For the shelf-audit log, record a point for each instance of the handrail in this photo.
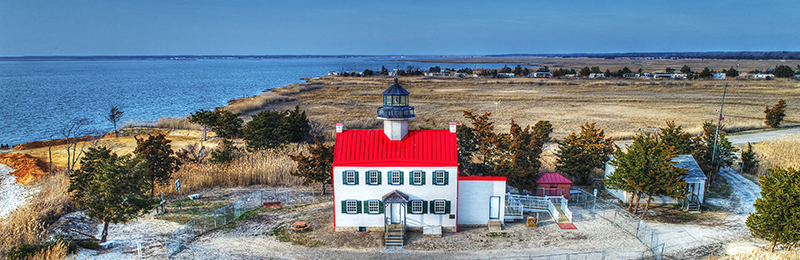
(565, 209)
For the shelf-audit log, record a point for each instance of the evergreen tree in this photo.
(585, 71)
(315, 168)
(111, 187)
(775, 115)
(596, 69)
(227, 124)
(205, 118)
(703, 148)
(732, 72)
(777, 216)
(647, 169)
(266, 130)
(579, 154)
(783, 71)
(520, 163)
(749, 161)
(224, 154)
(160, 161)
(706, 73)
(297, 125)
(686, 69)
(625, 70)
(484, 142)
(675, 136)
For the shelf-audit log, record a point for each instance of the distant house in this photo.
(333, 73)
(459, 74)
(631, 75)
(570, 75)
(678, 76)
(393, 73)
(435, 74)
(542, 75)
(764, 76)
(695, 179)
(718, 75)
(647, 75)
(597, 75)
(662, 75)
(508, 75)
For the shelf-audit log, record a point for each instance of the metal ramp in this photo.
(517, 205)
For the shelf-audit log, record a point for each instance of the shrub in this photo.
(775, 115)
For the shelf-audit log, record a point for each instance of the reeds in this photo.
(246, 105)
(27, 223)
(760, 254)
(783, 152)
(267, 167)
(173, 123)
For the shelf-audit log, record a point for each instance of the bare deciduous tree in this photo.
(113, 116)
(72, 133)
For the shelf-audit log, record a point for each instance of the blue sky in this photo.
(247, 27)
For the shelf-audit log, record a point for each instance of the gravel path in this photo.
(745, 191)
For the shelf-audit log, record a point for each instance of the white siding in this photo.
(363, 191)
(473, 208)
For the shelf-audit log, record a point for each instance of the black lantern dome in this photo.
(395, 104)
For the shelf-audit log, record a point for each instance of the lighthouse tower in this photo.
(395, 112)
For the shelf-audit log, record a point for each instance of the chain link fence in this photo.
(623, 219)
(179, 238)
(192, 252)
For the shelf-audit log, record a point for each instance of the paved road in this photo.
(758, 137)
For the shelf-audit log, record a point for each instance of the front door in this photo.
(494, 207)
(396, 213)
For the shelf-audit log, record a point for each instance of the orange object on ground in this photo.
(567, 226)
(531, 222)
(300, 226)
(272, 204)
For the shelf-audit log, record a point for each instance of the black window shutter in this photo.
(356, 175)
(432, 205)
(344, 206)
(424, 207)
(447, 207)
(446, 179)
(408, 207)
(380, 207)
(401, 178)
(358, 207)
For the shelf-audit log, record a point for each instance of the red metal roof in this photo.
(552, 177)
(372, 148)
(481, 178)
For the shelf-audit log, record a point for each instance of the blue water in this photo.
(38, 99)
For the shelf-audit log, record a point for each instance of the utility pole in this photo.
(716, 135)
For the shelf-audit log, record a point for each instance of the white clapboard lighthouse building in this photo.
(396, 179)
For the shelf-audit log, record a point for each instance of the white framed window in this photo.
(440, 178)
(350, 177)
(396, 177)
(417, 178)
(352, 207)
(416, 207)
(374, 177)
(439, 206)
(374, 207)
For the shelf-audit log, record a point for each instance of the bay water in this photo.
(39, 98)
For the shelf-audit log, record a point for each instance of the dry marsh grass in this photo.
(27, 223)
(621, 107)
(246, 105)
(267, 167)
(783, 152)
(173, 123)
(760, 254)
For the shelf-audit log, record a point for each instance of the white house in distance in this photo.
(396, 179)
(695, 178)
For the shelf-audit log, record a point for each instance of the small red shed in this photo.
(553, 184)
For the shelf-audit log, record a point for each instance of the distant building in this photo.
(764, 76)
(542, 75)
(631, 75)
(570, 75)
(508, 75)
(647, 75)
(393, 73)
(597, 75)
(662, 75)
(718, 75)
(459, 74)
(678, 76)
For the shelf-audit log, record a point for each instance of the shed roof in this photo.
(686, 161)
(418, 148)
(552, 178)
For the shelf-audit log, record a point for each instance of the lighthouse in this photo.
(395, 112)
